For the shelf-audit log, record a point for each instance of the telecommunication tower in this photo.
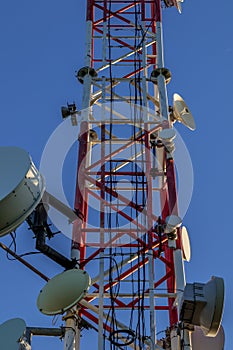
(127, 230)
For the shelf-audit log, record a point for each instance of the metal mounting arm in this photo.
(38, 224)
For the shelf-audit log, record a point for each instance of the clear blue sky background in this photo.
(42, 45)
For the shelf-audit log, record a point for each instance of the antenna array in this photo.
(128, 233)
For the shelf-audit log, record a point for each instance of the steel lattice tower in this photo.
(125, 276)
(126, 170)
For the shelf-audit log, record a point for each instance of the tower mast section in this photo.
(127, 239)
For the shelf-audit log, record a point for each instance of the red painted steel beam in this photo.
(120, 212)
(99, 12)
(159, 307)
(24, 262)
(80, 204)
(124, 275)
(94, 319)
(120, 197)
(156, 284)
(112, 154)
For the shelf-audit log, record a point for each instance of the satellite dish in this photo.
(63, 292)
(201, 342)
(21, 188)
(181, 112)
(11, 332)
(202, 305)
(186, 247)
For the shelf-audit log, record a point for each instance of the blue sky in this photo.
(42, 45)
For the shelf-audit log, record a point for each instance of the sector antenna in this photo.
(124, 279)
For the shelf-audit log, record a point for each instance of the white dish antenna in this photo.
(186, 247)
(202, 305)
(172, 223)
(167, 135)
(211, 315)
(201, 342)
(63, 292)
(181, 112)
(11, 332)
(21, 188)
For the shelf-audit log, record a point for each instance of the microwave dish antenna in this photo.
(11, 333)
(202, 342)
(181, 112)
(21, 188)
(63, 292)
(186, 246)
(202, 305)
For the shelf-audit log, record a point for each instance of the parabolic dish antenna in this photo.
(167, 134)
(186, 247)
(211, 315)
(202, 305)
(21, 188)
(201, 342)
(182, 113)
(63, 292)
(10, 333)
(172, 223)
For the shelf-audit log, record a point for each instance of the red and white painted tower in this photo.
(128, 232)
(125, 280)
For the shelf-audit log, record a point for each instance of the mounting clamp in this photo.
(85, 71)
(163, 71)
